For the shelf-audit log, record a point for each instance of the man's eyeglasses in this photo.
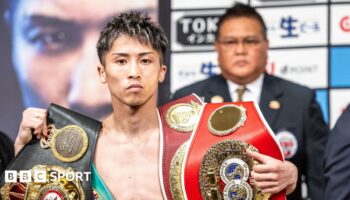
(231, 43)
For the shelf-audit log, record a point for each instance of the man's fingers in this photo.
(265, 184)
(258, 156)
(264, 176)
(45, 129)
(265, 168)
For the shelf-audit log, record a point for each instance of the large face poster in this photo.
(48, 55)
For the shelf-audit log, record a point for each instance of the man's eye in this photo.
(51, 41)
(145, 61)
(251, 41)
(121, 61)
(230, 42)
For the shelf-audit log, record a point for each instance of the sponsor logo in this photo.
(208, 68)
(196, 30)
(272, 68)
(292, 27)
(301, 69)
(345, 24)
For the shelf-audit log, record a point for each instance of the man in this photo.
(53, 54)
(290, 109)
(6, 151)
(337, 163)
(131, 50)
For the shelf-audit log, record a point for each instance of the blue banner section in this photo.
(322, 99)
(340, 67)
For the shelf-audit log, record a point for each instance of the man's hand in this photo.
(272, 175)
(33, 123)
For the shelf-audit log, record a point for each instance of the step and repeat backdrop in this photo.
(47, 50)
(309, 44)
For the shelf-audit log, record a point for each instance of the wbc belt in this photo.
(216, 165)
(178, 119)
(69, 148)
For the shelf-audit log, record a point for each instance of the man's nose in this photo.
(240, 48)
(134, 70)
(87, 94)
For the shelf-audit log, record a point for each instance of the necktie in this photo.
(240, 91)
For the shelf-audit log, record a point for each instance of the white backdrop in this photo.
(308, 44)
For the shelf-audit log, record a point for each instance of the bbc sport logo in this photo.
(42, 176)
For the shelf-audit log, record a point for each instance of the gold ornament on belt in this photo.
(176, 172)
(226, 119)
(183, 116)
(68, 144)
(225, 171)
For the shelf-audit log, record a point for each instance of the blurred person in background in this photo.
(337, 163)
(290, 109)
(54, 50)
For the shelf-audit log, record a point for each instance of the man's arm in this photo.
(337, 163)
(33, 123)
(316, 133)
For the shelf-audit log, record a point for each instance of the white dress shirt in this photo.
(253, 90)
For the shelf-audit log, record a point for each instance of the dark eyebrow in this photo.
(47, 20)
(127, 54)
(145, 53)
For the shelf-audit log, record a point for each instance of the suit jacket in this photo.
(299, 115)
(337, 163)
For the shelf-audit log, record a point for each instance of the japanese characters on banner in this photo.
(309, 45)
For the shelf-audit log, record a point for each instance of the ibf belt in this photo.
(216, 165)
(70, 146)
(178, 119)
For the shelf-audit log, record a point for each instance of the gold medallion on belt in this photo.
(68, 144)
(226, 119)
(225, 171)
(183, 116)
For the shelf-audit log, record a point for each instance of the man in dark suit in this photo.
(290, 109)
(337, 163)
(6, 151)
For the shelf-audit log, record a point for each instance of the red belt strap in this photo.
(172, 138)
(255, 131)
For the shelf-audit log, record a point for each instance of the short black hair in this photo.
(134, 25)
(241, 10)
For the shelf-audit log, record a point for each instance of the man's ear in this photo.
(102, 73)
(162, 72)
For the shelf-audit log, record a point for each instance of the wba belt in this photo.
(215, 164)
(68, 149)
(178, 119)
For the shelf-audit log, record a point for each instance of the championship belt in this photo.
(216, 165)
(178, 120)
(55, 162)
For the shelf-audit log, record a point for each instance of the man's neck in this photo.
(133, 121)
